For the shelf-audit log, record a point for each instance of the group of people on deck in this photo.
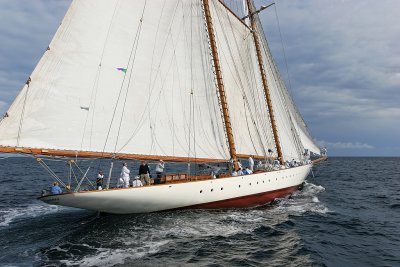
(143, 177)
(244, 171)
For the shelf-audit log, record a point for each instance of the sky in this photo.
(343, 60)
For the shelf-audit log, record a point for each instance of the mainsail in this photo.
(137, 78)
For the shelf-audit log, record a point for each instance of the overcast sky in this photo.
(343, 58)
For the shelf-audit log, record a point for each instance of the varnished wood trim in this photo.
(316, 161)
(220, 82)
(234, 14)
(89, 154)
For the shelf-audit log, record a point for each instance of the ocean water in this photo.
(348, 214)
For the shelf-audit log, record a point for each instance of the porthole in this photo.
(276, 179)
(222, 188)
(269, 180)
(239, 186)
(201, 191)
(249, 183)
(263, 181)
(212, 190)
(257, 182)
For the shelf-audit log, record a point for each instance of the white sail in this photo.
(296, 118)
(290, 141)
(165, 104)
(243, 85)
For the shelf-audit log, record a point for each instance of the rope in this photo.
(142, 116)
(96, 81)
(241, 85)
(120, 91)
(47, 168)
(283, 48)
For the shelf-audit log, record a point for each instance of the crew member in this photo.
(124, 177)
(144, 173)
(55, 190)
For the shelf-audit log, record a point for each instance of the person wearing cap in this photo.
(136, 182)
(159, 171)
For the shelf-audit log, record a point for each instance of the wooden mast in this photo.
(220, 83)
(250, 8)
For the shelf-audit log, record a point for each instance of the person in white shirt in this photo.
(124, 177)
(248, 170)
(240, 172)
(234, 173)
(137, 182)
(251, 164)
(159, 171)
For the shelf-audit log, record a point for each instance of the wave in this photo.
(113, 256)
(11, 215)
(303, 201)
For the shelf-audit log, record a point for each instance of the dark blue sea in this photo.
(348, 214)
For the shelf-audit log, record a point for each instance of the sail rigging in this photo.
(172, 53)
(249, 114)
(293, 128)
(184, 81)
(136, 80)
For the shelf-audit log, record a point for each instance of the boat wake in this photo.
(140, 238)
(101, 256)
(11, 215)
(302, 201)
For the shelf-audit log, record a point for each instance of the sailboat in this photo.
(184, 81)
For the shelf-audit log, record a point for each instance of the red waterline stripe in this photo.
(247, 201)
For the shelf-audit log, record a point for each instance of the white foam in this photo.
(315, 200)
(303, 201)
(8, 215)
(108, 256)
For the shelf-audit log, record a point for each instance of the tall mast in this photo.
(250, 8)
(220, 83)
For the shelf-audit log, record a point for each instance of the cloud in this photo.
(343, 60)
(26, 29)
(344, 145)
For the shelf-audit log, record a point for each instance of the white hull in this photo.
(241, 191)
